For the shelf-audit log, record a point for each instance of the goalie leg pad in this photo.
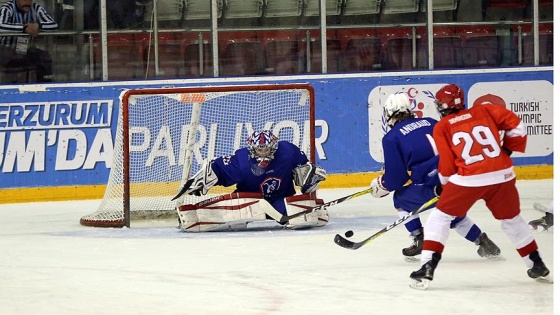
(299, 203)
(223, 213)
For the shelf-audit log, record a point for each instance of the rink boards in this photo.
(56, 139)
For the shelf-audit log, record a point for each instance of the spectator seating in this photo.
(200, 9)
(441, 5)
(446, 52)
(359, 7)
(311, 7)
(243, 8)
(171, 49)
(285, 52)
(17, 72)
(481, 46)
(481, 51)
(400, 6)
(398, 54)
(508, 5)
(282, 57)
(283, 8)
(167, 10)
(362, 54)
(334, 53)
(194, 60)
(242, 58)
(397, 47)
(125, 52)
(546, 48)
(512, 4)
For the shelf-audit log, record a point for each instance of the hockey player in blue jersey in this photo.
(411, 163)
(264, 174)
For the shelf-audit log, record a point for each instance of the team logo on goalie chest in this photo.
(270, 184)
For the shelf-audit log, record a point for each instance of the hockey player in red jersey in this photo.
(474, 165)
(411, 162)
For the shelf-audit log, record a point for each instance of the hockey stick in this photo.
(346, 243)
(183, 189)
(286, 218)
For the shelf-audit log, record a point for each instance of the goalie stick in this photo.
(183, 189)
(286, 218)
(346, 243)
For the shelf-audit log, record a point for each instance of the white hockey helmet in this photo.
(395, 105)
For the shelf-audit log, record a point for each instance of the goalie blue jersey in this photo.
(274, 181)
(410, 154)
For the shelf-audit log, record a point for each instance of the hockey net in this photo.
(164, 135)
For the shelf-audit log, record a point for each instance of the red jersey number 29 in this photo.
(481, 135)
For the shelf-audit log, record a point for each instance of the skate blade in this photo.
(494, 258)
(538, 228)
(411, 259)
(547, 279)
(420, 285)
(539, 207)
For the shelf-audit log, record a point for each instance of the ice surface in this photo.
(52, 265)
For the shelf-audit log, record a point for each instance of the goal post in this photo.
(164, 135)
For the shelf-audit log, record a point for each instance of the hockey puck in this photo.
(349, 233)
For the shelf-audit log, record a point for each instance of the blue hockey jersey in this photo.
(410, 154)
(274, 182)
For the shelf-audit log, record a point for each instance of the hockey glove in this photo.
(379, 191)
(308, 177)
(203, 180)
(507, 151)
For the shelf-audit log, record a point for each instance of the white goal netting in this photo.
(170, 132)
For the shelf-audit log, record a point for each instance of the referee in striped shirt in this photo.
(27, 17)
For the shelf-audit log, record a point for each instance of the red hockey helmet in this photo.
(449, 99)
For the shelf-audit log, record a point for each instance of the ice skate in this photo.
(415, 248)
(539, 270)
(487, 248)
(425, 274)
(544, 223)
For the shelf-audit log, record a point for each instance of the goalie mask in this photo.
(262, 145)
(397, 108)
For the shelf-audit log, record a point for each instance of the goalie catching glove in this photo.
(379, 191)
(308, 177)
(203, 180)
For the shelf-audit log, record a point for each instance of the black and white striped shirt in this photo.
(13, 20)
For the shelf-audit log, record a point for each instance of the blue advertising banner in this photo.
(63, 134)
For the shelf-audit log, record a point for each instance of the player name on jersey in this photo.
(413, 126)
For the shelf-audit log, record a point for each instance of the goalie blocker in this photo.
(233, 212)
